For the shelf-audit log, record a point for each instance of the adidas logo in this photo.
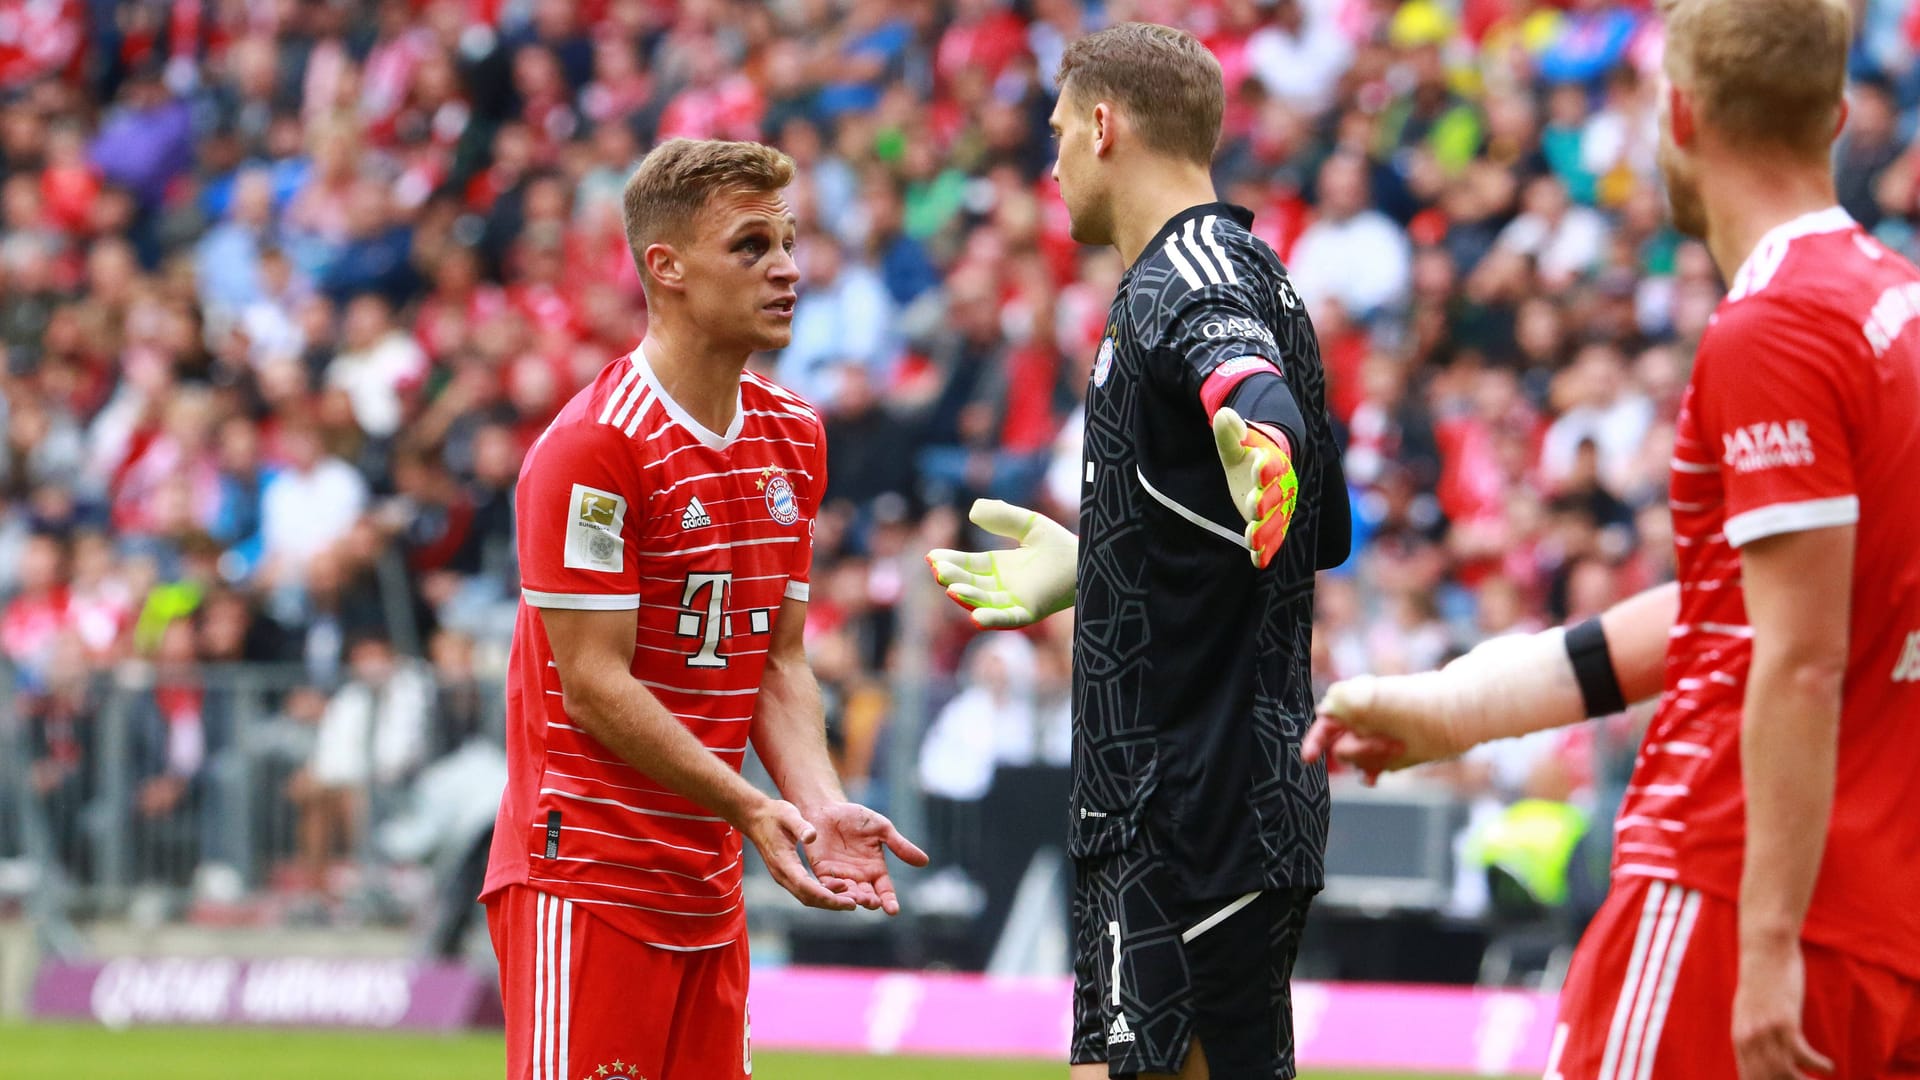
(1119, 1032)
(695, 517)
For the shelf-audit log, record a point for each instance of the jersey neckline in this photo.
(1812, 223)
(1239, 214)
(679, 415)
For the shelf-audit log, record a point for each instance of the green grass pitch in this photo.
(70, 1052)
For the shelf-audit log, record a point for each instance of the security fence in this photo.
(245, 795)
(242, 794)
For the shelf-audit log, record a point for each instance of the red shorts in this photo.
(580, 994)
(1650, 996)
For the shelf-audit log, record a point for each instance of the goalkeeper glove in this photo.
(1016, 586)
(1260, 478)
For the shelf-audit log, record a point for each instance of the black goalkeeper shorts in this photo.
(1150, 973)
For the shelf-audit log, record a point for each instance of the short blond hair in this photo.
(1763, 72)
(675, 180)
(1164, 79)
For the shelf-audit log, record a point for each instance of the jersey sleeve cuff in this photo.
(581, 601)
(798, 590)
(1787, 517)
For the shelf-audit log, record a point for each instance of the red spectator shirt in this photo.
(627, 503)
(1803, 413)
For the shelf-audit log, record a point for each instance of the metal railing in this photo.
(200, 794)
(160, 794)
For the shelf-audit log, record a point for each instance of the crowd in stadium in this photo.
(287, 289)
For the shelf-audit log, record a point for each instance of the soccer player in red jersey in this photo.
(1764, 918)
(665, 532)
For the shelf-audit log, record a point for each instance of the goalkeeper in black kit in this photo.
(1211, 495)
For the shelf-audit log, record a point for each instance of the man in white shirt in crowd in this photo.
(1352, 255)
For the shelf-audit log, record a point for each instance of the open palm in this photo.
(849, 855)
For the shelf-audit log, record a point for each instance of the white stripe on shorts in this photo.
(1640, 1016)
(566, 986)
(1218, 917)
(1649, 978)
(539, 984)
(1663, 995)
(1637, 962)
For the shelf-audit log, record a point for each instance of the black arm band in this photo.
(1266, 397)
(1593, 669)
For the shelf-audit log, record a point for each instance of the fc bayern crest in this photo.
(1103, 363)
(782, 505)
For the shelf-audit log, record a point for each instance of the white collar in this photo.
(680, 415)
(1765, 258)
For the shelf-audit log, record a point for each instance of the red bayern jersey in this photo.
(1803, 412)
(628, 503)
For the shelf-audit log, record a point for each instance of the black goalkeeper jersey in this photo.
(1191, 685)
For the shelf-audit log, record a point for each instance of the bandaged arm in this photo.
(1517, 684)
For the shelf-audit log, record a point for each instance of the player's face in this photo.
(739, 270)
(1077, 170)
(1677, 166)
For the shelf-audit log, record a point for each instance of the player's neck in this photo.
(1745, 201)
(702, 377)
(1158, 192)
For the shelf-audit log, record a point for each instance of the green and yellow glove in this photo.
(1013, 586)
(1261, 479)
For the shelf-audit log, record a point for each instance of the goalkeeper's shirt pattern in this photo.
(1191, 686)
(628, 504)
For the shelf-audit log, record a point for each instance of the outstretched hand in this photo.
(1010, 587)
(1365, 725)
(849, 854)
(777, 830)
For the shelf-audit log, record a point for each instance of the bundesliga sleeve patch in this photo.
(594, 518)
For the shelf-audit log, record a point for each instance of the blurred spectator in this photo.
(37, 615)
(991, 721)
(374, 734)
(169, 758)
(227, 261)
(147, 142)
(1869, 145)
(460, 705)
(846, 318)
(378, 366)
(307, 505)
(1297, 53)
(1598, 406)
(1561, 239)
(59, 722)
(872, 448)
(1351, 255)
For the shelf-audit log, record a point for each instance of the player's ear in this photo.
(1840, 122)
(663, 264)
(1105, 133)
(1680, 115)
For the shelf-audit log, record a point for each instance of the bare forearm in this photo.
(631, 722)
(1789, 746)
(1797, 588)
(1637, 630)
(789, 734)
